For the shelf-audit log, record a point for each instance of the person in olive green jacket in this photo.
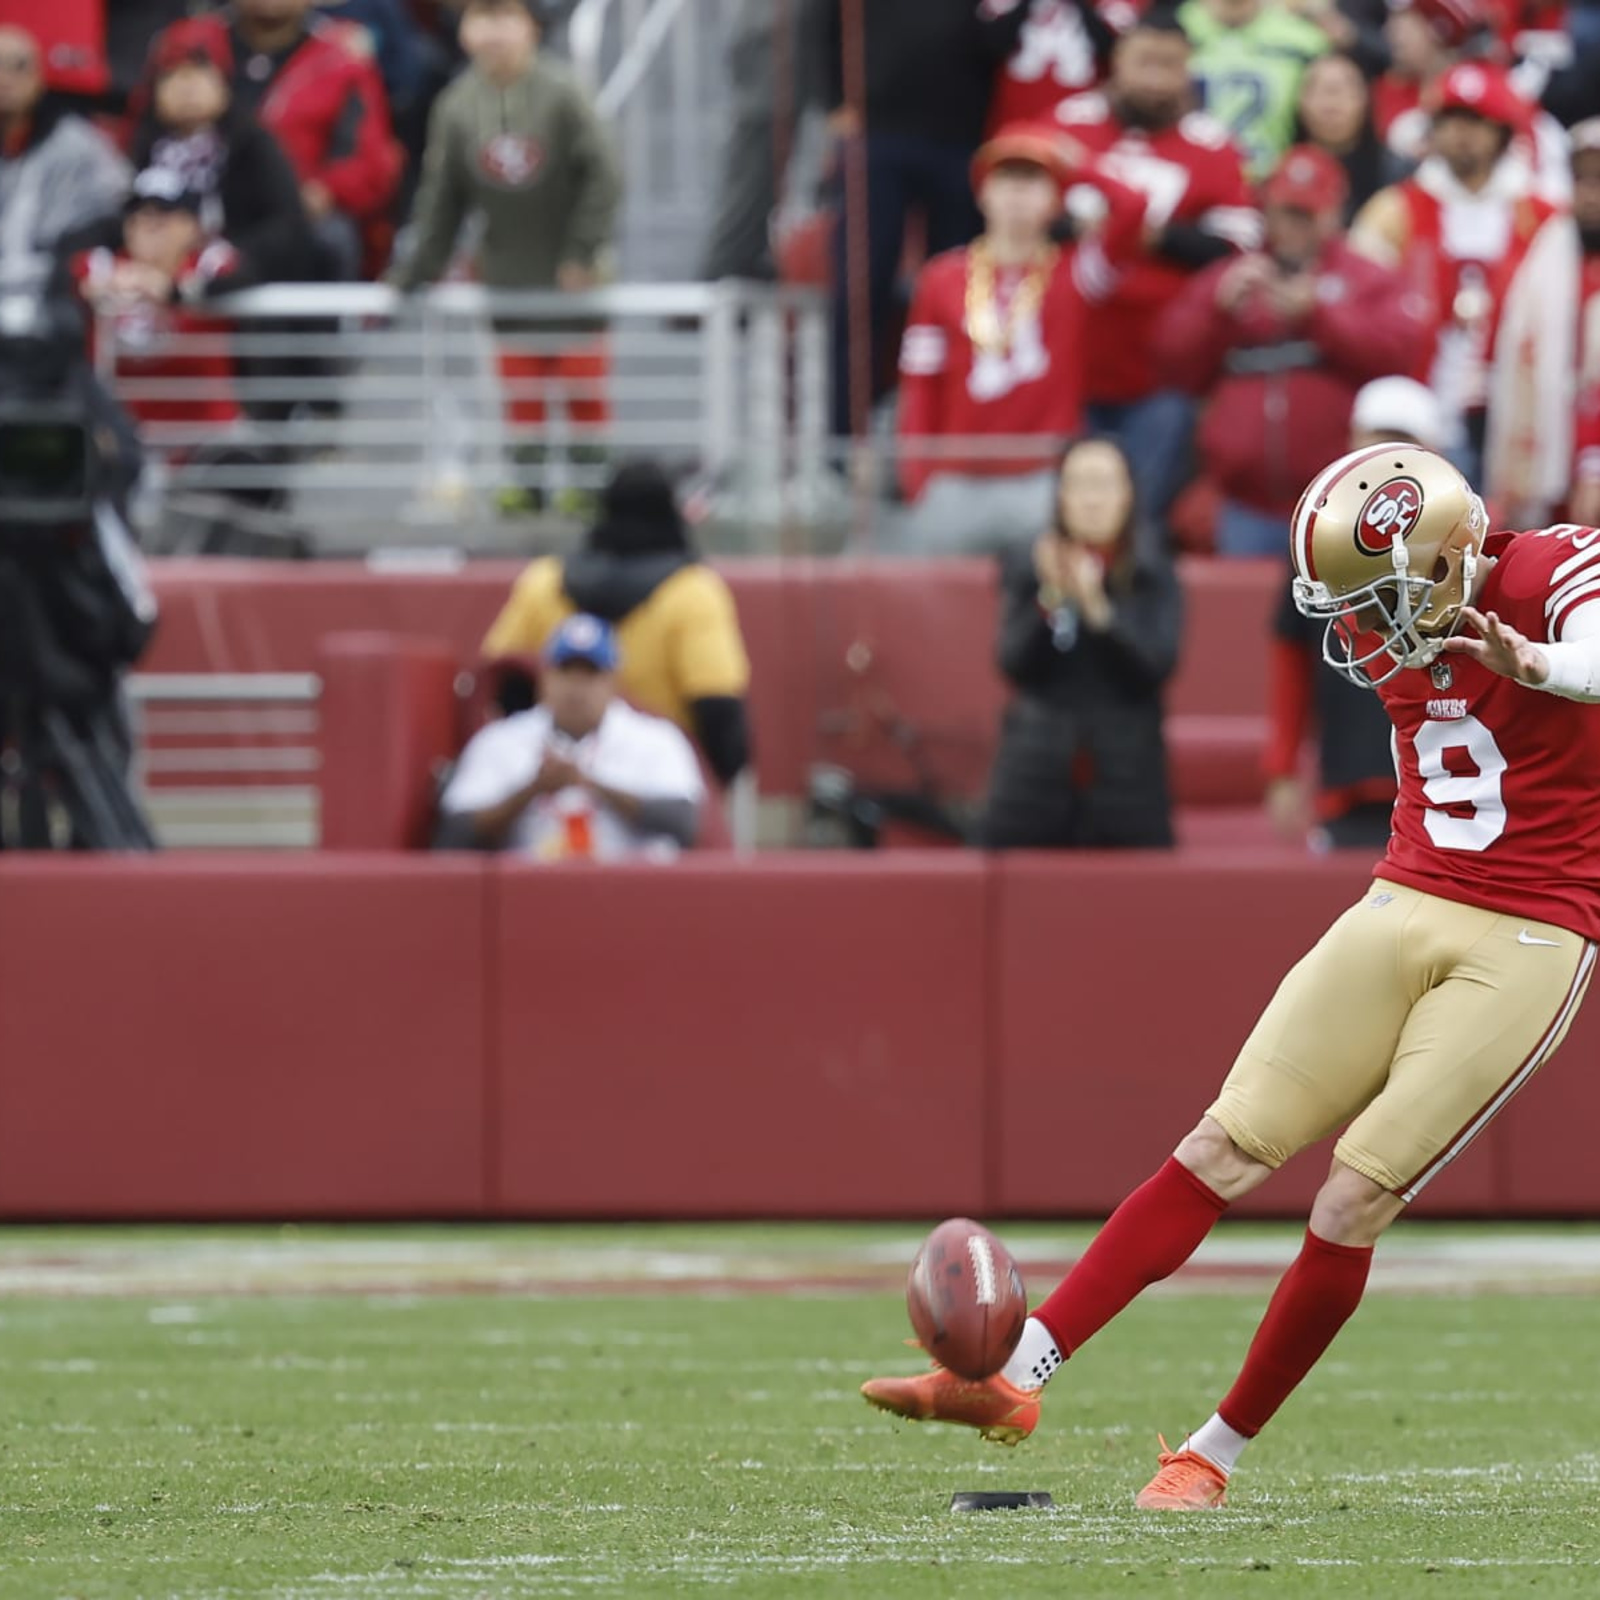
(515, 141)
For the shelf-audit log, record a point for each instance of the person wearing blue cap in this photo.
(580, 776)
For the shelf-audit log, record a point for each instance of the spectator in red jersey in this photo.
(1280, 340)
(991, 366)
(146, 291)
(1355, 766)
(1583, 505)
(1059, 48)
(1335, 114)
(1461, 229)
(1089, 635)
(1198, 209)
(1426, 38)
(312, 84)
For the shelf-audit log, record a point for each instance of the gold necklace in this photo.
(985, 327)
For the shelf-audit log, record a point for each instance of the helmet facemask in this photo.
(1411, 615)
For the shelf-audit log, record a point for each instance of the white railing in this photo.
(372, 419)
(228, 760)
(658, 71)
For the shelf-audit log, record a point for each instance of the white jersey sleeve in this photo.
(1575, 657)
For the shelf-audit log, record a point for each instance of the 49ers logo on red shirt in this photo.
(1392, 508)
(511, 160)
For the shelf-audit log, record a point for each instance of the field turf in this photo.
(537, 1411)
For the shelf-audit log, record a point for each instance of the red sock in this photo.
(1313, 1301)
(1147, 1238)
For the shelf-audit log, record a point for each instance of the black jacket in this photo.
(1082, 758)
(929, 65)
(257, 195)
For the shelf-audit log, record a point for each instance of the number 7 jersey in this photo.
(1499, 800)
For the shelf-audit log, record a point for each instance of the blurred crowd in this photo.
(1324, 194)
(164, 159)
(1116, 279)
(1197, 230)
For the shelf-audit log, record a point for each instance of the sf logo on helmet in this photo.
(1391, 509)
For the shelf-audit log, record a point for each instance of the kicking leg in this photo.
(1311, 1063)
(1147, 1238)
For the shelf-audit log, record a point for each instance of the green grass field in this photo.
(337, 1413)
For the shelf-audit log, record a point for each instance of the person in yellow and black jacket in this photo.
(683, 656)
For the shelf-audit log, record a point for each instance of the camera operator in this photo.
(75, 610)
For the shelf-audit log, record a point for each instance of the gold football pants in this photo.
(1410, 1024)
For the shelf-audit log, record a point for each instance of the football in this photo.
(966, 1299)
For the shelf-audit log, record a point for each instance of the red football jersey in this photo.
(1500, 784)
(1031, 389)
(1188, 173)
(155, 349)
(1055, 57)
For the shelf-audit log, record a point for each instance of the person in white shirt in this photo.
(580, 776)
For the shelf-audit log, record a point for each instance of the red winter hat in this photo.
(1038, 143)
(193, 39)
(1452, 22)
(1482, 91)
(1309, 179)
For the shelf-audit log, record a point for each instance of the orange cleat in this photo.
(997, 1409)
(1186, 1482)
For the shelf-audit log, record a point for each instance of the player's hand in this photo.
(574, 277)
(1500, 648)
(1287, 809)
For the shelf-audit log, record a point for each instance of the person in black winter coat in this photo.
(192, 127)
(1089, 635)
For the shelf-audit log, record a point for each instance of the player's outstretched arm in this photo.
(1570, 668)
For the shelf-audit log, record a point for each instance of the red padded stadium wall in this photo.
(193, 1037)
(802, 1036)
(913, 1036)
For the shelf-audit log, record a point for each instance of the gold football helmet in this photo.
(1385, 542)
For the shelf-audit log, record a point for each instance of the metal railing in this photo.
(362, 418)
(228, 760)
(657, 70)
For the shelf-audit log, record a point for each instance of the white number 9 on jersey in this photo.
(1479, 790)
